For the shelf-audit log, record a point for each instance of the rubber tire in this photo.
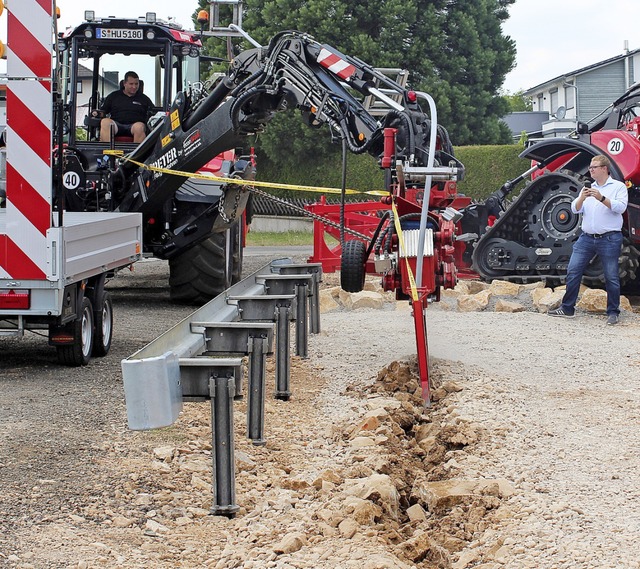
(353, 265)
(204, 271)
(79, 353)
(103, 325)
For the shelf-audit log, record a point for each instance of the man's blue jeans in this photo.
(608, 250)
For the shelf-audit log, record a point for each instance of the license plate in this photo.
(118, 34)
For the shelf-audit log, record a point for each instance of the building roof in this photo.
(591, 67)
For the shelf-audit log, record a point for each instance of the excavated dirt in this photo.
(527, 456)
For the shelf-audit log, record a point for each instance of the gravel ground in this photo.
(544, 409)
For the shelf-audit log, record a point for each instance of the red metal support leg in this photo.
(420, 322)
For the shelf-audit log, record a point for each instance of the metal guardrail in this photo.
(201, 358)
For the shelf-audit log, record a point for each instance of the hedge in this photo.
(486, 169)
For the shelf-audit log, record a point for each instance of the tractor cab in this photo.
(95, 56)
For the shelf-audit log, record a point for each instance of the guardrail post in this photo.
(255, 403)
(283, 360)
(314, 269)
(221, 390)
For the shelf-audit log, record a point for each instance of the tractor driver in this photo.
(128, 109)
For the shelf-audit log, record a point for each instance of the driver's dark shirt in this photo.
(127, 110)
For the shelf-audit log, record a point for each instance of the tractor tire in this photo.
(353, 265)
(103, 324)
(79, 352)
(206, 269)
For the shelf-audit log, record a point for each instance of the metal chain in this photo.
(230, 218)
(307, 213)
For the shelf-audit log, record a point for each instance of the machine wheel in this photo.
(103, 317)
(206, 269)
(353, 265)
(79, 352)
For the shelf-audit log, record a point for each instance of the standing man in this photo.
(128, 108)
(601, 206)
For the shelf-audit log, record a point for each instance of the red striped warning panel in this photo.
(335, 64)
(23, 245)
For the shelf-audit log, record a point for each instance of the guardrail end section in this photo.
(152, 391)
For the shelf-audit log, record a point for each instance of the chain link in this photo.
(308, 213)
(230, 218)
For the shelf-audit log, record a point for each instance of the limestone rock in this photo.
(348, 527)
(538, 293)
(443, 495)
(416, 513)
(550, 301)
(290, 543)
(508, 306)
(366, 299)
(165, 453)
(328, 303)
(345, 299)
(476, 286)
(504, 288)
(378, 488)
(327, 476)
(475, 302)
(595, 300)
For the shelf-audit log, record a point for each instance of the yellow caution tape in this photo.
(403, 249)
(242, 182)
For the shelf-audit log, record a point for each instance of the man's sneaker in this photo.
(560, 312)
(613, 319)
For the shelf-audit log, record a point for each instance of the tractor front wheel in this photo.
(206, 269)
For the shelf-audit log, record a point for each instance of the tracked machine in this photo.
(533, 234)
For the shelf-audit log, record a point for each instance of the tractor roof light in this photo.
(203, 17)
(89, 15)
(88, 33)
(150, 35)
(150, 17)
(412, 97)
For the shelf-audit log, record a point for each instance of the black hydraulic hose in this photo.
(237, 104)
(207, 106)
(405, 119)
(374, 238)
(343, 189)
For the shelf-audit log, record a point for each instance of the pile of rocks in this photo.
(504, 296)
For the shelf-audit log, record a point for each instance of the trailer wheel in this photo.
(103, 317)
(353, 265)
(206, 269)
(79, 352)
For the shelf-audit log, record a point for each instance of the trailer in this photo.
(53, 263)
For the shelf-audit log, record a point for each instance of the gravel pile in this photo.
(527, 458)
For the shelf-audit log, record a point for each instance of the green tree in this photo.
(518, 102)
(454, 50)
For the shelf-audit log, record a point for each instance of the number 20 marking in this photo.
(615, 146)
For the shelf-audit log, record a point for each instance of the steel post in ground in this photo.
(222, 389)
(302, 332)
(283, 363)
(314, 269)
(237, 396)
(314, 305)
(256, 389)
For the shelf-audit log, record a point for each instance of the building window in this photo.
(569, 96)
(554, 101)
(79, 87)
(540, 102)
